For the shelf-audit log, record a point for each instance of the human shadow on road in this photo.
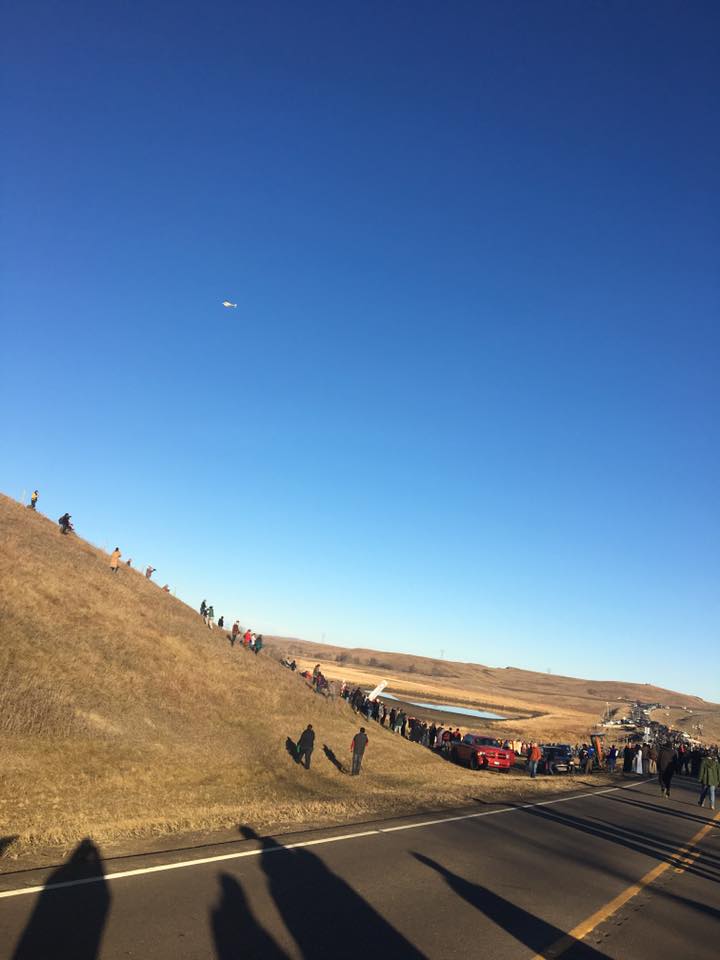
(307, 893)
(640, 841)
(528, 929)
(292, 749)
(658, 808)
(333, 759)
(238, 935)
(69, 922)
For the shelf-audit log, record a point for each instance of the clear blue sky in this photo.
(469, 399)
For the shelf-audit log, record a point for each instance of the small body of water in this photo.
(445, 708)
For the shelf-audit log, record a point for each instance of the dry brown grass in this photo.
(122, 716)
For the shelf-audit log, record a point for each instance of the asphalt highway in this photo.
(622, 874)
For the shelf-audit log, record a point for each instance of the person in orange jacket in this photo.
(115, 560)
(534, 755)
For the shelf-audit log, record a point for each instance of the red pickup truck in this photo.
(482, 753)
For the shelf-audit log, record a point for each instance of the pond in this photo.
(445, 708)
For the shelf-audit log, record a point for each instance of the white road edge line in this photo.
(160, 868)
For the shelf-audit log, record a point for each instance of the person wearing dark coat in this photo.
(357, 746)
(305, 746)
(627, 759)
(666, 763)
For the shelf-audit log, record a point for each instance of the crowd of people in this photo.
(244, 638)
(670, 755)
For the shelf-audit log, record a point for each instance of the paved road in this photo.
(504, 883)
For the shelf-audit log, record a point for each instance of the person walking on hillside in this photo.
(203, 609)
(534, 755)
(64, 523)
(33, 500)
(149, 571)
(709, 778)
(221, 622)
(234, 633)
(359, 742)
(305, 746)
(667, 761)
(210, 613)
(115, 560)
(259, 642)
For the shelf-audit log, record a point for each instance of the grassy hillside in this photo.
(122, 715)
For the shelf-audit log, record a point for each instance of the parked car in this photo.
(482, 753)
(557, 758)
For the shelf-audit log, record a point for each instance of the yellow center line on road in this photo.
(679, 860)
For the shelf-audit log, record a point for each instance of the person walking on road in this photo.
(33, 500)
(709, 777)
(305, 746)
(359, 742)
(533, 760)
(667, 761)
(115, 560)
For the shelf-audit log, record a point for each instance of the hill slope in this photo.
(122, 715)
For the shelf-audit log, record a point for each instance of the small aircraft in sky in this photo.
(226, 303)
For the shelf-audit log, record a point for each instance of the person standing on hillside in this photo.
(115, 560)
(210, 613)
(306, 745)
(359, 742)
(221, 622)
(709, 778)
(259, 642)
(149, 571)
(667, 761)
(234, 633)
(203, 609)
(33, 500)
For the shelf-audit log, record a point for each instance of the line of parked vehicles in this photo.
(480, 752)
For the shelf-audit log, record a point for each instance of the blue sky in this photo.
(469, 398)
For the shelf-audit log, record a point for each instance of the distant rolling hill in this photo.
(545, 705)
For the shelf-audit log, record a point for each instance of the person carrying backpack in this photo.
(65, 524)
